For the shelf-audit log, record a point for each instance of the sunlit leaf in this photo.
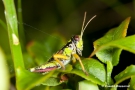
(127, 43)
(110, 53)
(96, 71)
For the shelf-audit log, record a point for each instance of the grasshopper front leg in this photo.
(78, 58)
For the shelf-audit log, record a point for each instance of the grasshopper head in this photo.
(77, 39)
(78, 42)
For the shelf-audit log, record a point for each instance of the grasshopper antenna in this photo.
(84, 27)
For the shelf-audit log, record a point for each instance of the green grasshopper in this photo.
(70, 52)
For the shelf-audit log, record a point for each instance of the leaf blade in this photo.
(92, 66)
(110, 53)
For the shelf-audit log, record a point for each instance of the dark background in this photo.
(43, 18)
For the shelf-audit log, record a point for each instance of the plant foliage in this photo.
(107, 49)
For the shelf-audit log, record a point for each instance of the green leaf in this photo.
(125, 74)
(27, 80)
(40, 87)
(87, 85)
(41, 52)
(54, 45)
(68, 68)
(56, 88)
(43, 87)
(52, 82)
(95, 69)
(131, 85)
(4, 74)
(28, 61)
(127, 43)
(109, 71)
(109, 53)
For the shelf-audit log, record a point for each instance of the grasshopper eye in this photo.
(76, 37)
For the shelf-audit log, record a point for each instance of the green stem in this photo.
(11, 18)
(20, 25)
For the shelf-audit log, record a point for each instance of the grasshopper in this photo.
(70, 52)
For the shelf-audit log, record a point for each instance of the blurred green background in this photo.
(63, 18)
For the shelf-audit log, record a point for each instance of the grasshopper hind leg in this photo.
(51, 65)
(63, 57)
(45, 68)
